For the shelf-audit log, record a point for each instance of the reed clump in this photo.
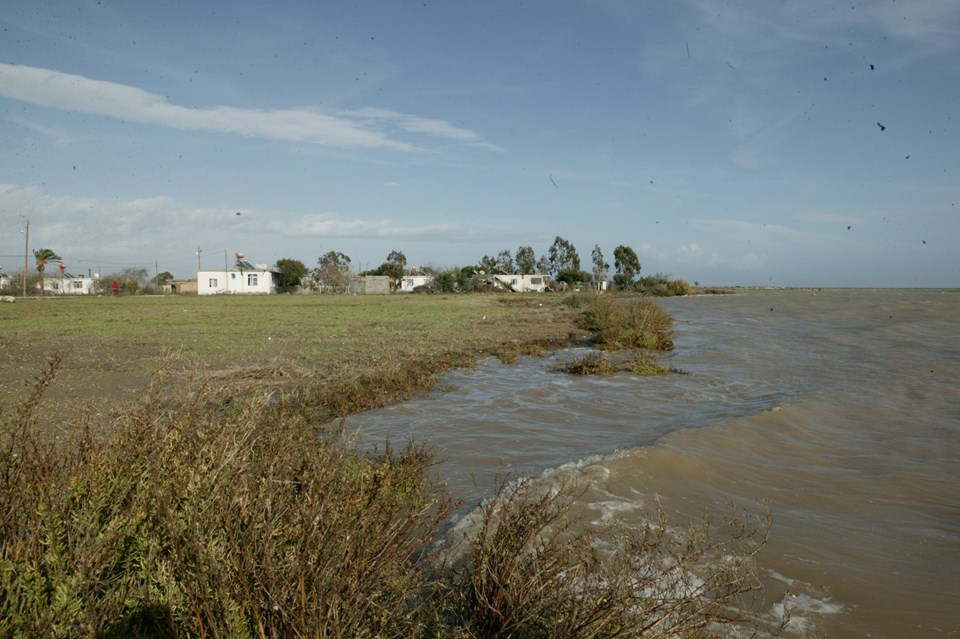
(641, 363)
(529, 570)
(616, 323)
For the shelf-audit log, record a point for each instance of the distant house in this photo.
(523, 283)
(67, 284)
(410, 282)
(243, 279)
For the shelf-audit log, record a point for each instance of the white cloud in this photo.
(107, 234)
(347, 129)
(338, 225)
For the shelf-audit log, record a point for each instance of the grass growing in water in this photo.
(617, 323)
(641, 363)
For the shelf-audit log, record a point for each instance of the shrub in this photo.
(680, 287)
(207, 517)
(580, 299)
(631, 324)
(596, 364)
(592, 364)
(530, 570)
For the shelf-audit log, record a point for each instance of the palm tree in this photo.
(43, 256)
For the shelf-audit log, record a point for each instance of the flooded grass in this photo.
(640, 363)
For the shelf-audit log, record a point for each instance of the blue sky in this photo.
(797, 144)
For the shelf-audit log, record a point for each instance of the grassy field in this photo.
(110, 347)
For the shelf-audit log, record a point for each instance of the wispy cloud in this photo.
(364, 128)
(58, 136)
(339, 225)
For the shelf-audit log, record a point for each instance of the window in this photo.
(212, 283)
(233, 276)
(536, 281)
(77, 284)
(251, 279)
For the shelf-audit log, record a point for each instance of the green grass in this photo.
(109, 347)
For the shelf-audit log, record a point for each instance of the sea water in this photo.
(837, 411)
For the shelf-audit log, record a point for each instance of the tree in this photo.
(134, 278)
(445, 282)
(43, 257)
(573, 276)
(526, 260)
(333, 271)
(600, 268)
(163, 278)
(562, 256)
(395, 267)
(505, 262)
(543, 266)
(628, 266)
(488, 264)
(290, 273)
(398, 259)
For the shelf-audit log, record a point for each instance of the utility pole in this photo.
(26, 251)
(199, 251)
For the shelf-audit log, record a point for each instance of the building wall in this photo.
(234, 281)
(410, 282)
(524, 283)
(181, 287)
(375, 284)
(70, 285)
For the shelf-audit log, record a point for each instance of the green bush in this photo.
(618, 323)
(209, 517)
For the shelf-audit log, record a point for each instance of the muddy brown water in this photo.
(836, 410)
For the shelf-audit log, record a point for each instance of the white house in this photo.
(243, 278)
(410, 282)
(66, 284)
(524, 283)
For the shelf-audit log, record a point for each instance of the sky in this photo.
(731, 143)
